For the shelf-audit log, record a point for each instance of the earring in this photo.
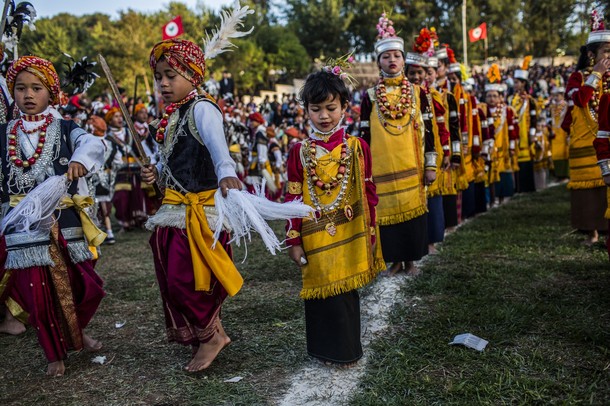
(591, 61)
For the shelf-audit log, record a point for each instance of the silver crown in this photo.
(413, 58)
(389, 44)
(599, 36)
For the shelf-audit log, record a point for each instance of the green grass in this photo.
(521, 279)
(517, 277)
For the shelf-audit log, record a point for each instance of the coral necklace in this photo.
(12, 142)
(312, 162)
(169, 110)
(389, 110)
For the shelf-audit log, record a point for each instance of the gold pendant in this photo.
(349, 212)
(399, 128)
(331, 229)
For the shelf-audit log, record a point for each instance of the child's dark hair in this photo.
(320, 85)
(583, 59)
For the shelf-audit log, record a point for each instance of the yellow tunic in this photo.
(522, 107)
(398, 161)
(340, 256)
(448, 179)
(559, 144)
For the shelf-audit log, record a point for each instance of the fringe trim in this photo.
(401, 217)
(28, 257)
(343, 286)
(434, 193)
(177, 218)
(79, 252)
(462, 183)
(585, 184)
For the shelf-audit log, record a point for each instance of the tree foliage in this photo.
(289, 36)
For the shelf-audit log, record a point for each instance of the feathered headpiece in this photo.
(339, 67)
(523, 73)
(598, 30)
(387, 40)
(80, 75)
(230, 22)
(495, 78)
(17, 16)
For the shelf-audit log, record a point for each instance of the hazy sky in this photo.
(48, 8)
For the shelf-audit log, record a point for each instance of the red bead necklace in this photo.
(171, 108)
(312, 162)
(12, 142)
(389, 110)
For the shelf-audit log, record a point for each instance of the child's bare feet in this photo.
(208, 352)
(412, 270)
(90, 344)
(56, 368)
(395, 268)
(11, 325)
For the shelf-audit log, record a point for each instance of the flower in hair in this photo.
(339, 66)
(385, 27)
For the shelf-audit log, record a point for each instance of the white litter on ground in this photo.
(321, 385)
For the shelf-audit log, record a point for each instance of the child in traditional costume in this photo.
(194, 278)
(331, 171)
(558, 109)
(404, 158)
(48, 280)
(585, 88)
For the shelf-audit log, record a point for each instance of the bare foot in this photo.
(432, 249)
(11, 325)
(395, 268)
(412, 270)
(223, 334)
(90, 344)
(207, 353)
(56, 368)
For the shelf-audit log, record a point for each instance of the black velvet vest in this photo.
(190, 162)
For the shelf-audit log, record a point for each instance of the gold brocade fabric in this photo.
(340, 256)
(559, 144)
(500, 156)
(447, 179)
(522, 108)
(435, 188)
(466, 171)
(398, 164)
(584, 171)
(61, 283)
(205, 258)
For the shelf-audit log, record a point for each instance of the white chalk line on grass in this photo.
(321, 385)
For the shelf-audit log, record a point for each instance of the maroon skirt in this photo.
(190, 316)
(39, 293)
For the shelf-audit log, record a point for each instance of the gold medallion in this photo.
(349, 212)
(331, 229)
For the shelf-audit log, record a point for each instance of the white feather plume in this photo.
(230, 22)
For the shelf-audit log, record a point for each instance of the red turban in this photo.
(257, 117)
(41, 68)
(183, 56)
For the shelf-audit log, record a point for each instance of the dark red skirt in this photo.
(33, 289)
(190, 316)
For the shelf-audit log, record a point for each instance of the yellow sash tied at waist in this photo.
(94, 235)
(205, 259)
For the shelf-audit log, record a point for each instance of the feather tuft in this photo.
(526, 62)
(230, 22)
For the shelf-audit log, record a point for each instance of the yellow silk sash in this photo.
(94, 235)
(205, 259)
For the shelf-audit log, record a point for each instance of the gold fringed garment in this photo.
(398, 163)
(435, 188)
(584, 171)
(345, 260)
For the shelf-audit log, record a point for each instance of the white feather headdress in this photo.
(230, 22)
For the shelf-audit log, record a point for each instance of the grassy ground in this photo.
(516, 277)
(519, 278)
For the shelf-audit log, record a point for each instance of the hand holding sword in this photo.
(144, 161)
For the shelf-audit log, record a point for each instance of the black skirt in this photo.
(468, 202)
(525, 178)
(333, 328)
(480, 198)
(407, 241)
(450, 210)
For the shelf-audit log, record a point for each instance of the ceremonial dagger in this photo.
(145, 160)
